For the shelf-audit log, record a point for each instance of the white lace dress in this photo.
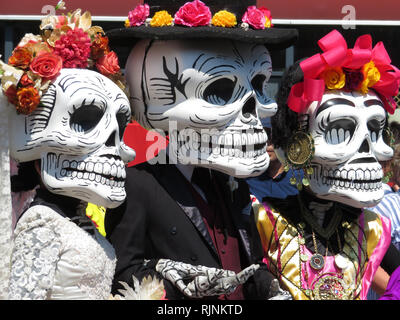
(53, 258)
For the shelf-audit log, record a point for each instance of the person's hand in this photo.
(200, 281)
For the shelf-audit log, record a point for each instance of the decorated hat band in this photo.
(197, 14)
(339, 68)
(65, 41)
(237, 20)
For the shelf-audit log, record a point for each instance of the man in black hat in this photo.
(202, 81)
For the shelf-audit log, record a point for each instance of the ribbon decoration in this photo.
(337, 55)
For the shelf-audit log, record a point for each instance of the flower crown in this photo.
(196, 14)
(358, 69)
(66, 41)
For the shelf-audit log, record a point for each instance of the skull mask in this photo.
(347, 131)
(77, 133)
(208, 95)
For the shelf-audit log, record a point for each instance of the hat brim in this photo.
(273, 38)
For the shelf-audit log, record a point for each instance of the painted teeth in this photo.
(246, 144)
(112, 174)
(359, 179)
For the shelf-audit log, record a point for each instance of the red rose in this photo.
(47, 65)
(11, 94)
(108, 64)
(193, 14)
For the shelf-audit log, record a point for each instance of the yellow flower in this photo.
(224, 18)
(161, 18)
(334, 78)
(127, 23)
(371, 76)
(268, 22)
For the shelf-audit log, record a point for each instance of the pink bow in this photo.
(336, 54)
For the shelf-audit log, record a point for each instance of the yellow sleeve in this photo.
(264, 225)
(97, 214)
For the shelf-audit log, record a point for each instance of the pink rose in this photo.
(254, 17)
(267, 14)
(108, 64)
(193, 14)
(138, 15)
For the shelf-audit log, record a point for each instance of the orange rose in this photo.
(26, 81)
(99, 47)
(20, 58)
(108, 64)
(47, 65)
(28, 99)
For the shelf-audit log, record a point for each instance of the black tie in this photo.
(202, 178)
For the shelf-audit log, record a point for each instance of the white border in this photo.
(275, 21)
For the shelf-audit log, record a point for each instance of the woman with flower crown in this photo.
(67, 113)
(325, 244)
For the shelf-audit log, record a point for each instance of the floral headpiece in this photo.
(66, 41)
(196, 14)
(358, 69)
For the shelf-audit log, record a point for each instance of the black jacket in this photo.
(160, 219)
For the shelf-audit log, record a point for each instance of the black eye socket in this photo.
(258, 83)
(339, 131)
(86, 118)
(220, 91)
(123, 121)
(374, 127)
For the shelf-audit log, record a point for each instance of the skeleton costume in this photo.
(70, 127)
(325, 243)
(186, 219)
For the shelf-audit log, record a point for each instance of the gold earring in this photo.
(299, 152)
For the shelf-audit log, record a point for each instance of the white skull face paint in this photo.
(347, 131)
(208, 95)
(77, 133)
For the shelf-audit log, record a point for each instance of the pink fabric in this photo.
(271, 217)
(329, 267)
(393, 288)
(376, 257)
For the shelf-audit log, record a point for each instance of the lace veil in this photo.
(5, 198)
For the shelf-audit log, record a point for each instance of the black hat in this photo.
(273, 38)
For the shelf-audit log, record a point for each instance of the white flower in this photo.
(29, 37)
(61, 5)
(149, 289)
